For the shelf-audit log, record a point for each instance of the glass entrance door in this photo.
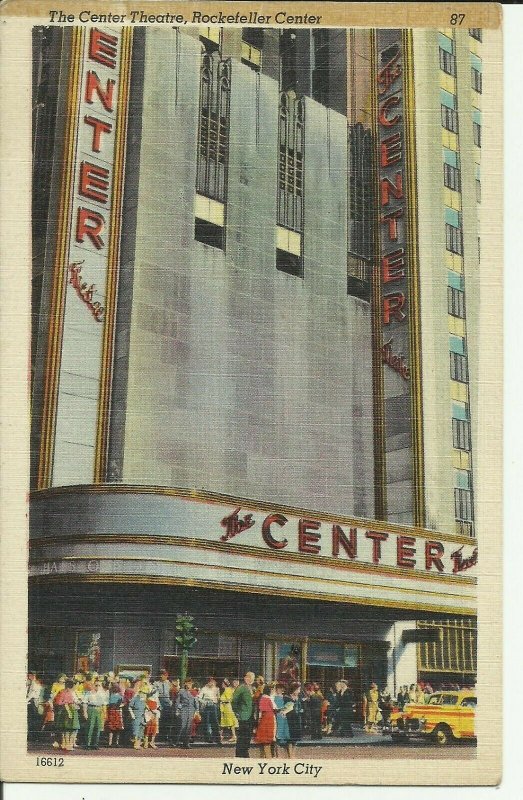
(326, 678)
(329, 662)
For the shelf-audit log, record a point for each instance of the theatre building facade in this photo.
(205, 368)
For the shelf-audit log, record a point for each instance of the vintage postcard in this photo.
(252, 346)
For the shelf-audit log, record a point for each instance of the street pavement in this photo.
(362, 746)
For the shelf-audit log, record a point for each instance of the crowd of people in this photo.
(90, 710)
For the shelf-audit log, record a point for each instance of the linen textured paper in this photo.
(252, 392)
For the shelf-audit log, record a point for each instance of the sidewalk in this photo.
(360, 738)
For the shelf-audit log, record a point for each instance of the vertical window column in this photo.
(213, 148)
(453, 221)
(476, 72)
(361, 212)
(289, 223)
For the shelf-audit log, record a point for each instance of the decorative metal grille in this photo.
(214, 125)
(361, 201)
(290, 163)
(457, 650)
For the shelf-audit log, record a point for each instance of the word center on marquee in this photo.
(312, 537)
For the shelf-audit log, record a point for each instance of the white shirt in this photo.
(33, 691)
(95, 698)
(209, 694)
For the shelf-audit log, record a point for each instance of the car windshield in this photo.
(435, 700)
(443, 700)
(470, 702)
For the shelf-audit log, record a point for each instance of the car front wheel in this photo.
(442, 735)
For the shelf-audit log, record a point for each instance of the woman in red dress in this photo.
(266, 730)
(114, 721)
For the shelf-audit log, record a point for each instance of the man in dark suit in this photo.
(345, 709)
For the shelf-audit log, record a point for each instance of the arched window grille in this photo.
(214, 123)
(290, 163)
(361, 212)
(361, 192)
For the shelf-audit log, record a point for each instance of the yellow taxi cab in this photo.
(445, 716)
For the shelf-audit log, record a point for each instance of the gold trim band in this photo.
(247, 550)
(249, 571)
(113, 261)
(416, 396)
(58, 286)
(380, 464)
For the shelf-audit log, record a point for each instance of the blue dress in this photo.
(283, 734)
(138, 723)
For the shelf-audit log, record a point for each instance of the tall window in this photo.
(458, 367)
(461, 434)
(476, 132)
(451, 177)
(449, 118)
(456, 302)
(454, 238)
(290, 183)
(447, 61)
(213, 147)
(361, 212)
(290, 163)
(476, 81)
(463, 504)
(213, 133)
